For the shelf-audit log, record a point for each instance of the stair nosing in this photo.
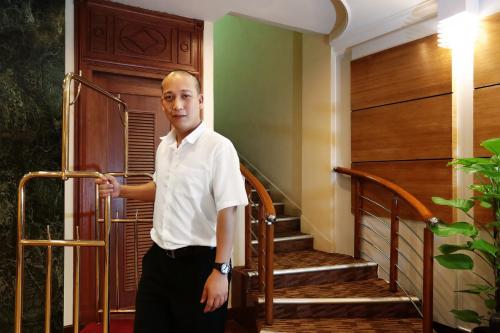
(341, 300)
(274, 204)
(287, 238)
(284, 271)
(281, 219)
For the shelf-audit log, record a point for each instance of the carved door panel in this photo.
(150, 41)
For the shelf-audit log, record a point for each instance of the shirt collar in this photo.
(191, 138)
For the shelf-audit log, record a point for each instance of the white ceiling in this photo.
(301, 15)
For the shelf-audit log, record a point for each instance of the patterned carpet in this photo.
(311, 258)
(345, 325)
(364, 288)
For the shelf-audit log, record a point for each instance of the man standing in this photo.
(197, 187)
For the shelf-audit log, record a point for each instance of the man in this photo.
(196, 188)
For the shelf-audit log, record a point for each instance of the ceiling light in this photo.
(458, 30)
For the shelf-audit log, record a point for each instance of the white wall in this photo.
(343, 219)
(317, 179)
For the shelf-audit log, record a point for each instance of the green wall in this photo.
(31, 73)
(257, 92)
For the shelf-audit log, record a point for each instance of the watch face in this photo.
(224, 268)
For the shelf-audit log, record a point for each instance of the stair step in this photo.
(367, 299)
(279, 207)
(282, 225)
(370, 288)
(311, 267)
(290, 241)
(343, 325)
(255, 196)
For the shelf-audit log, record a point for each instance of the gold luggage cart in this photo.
(102, 242)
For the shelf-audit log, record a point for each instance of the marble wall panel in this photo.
(31, 72)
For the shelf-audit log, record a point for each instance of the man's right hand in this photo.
(108, 185)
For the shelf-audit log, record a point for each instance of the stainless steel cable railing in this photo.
(398, 194)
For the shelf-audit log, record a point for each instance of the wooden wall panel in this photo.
(487, 53)
(486, 117)
(419, 129)
(424, 179)
(413, 70)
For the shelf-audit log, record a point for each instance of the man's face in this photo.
(181, 102)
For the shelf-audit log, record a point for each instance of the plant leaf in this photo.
(485, 204)
(478, 289)
(470, 161)
(468, 316)
(490, 303)
(495, 224)
(489, 173)
(492, 145)
(455, 261)
(483, 188)
(450, 248)
(484, 246)
(458, 228)
(462, 204)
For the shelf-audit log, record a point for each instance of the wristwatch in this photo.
(224, 267)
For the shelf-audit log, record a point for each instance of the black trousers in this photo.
(168, 299)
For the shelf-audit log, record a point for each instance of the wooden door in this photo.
(128, 51)
(147, 123)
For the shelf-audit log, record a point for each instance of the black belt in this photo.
(187, 251)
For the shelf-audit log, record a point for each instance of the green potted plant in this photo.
(458, 256)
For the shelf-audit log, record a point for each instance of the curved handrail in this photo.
(261, 191)
(428, 247)
(266, 219)
(421, 209)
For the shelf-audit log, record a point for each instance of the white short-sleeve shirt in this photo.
(193, 182)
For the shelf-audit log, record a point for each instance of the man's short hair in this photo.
(183, 72)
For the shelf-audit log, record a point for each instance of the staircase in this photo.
(317, 291)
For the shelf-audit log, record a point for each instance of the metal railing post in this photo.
(427, 293)
(394, 244)
(358, 206)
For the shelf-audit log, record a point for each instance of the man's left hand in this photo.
(215, 291)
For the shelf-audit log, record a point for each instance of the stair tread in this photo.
(289, 233)
(344, 325)
(311, 258)
(275, 203)
(350, 289)
(282, 217)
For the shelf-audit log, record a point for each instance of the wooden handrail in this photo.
(398, 192)
(261, 190)
(420, 208)
(266, 217)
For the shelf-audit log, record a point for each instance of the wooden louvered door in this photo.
(146, 124)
